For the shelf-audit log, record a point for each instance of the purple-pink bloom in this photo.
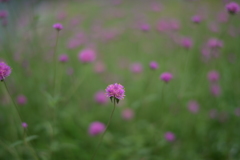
(169, 136)
(100, 97)
(21, 99)
(193, 106)
(196, 19)
(153, 65)
(5, 71)
(136, 68)
(166, 76)
(233, 7)
(63, 58)
(96, 128)
(127, 114)
(24, 125)
(215, 43)
(87, 55)
(115, 90)
(145, 27)
(215, 90)
(187, 43)
(3, 14)
(213, 76)
(58, 26)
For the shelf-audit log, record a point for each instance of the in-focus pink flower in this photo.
(213, 76)
(96, 128)
(136, 68)
(233, 7)
(87, 55)
(63, 58)
(115, 91)
(169, 136)
(21, 100)
(58, 26)
(153, 65)
(100, 97)
(166, 76)
(127, 114)
(5, 71)
(193, 106)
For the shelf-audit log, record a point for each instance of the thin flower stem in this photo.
(95, 152)
(55, 64)
(24, 132)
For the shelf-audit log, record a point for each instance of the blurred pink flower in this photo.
(197, 19)
(233, 7)
(166, 76)
(213, 76)
(169, 136)
(153, 65)
(63, 58)
(21, 100)
(87, 55)
(193, 106)
(24, 125)
(186, 42)
(127, 114)
(215, 90)
(96, 128)
(100, 97)
(136, 68)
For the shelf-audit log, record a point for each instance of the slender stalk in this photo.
(95, 152)
(25, 133)
(55, 63)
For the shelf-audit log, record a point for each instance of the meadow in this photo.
(177, 60)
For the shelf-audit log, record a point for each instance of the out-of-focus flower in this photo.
(145, 27)
(58, 26)
(187, 43)
(166, 76)
(21, 100)
(63, 58)
(196, 19)
(96, 128)
(115, 91)
(215, 90)
(136, 67)
(127, 114)
(193, 106)
(100, 97)
(215, 43)
(3, 14)
(153, 65)
(169, 136)
(213, 76)
(87, 55)
(24, 125)
(5, 71)
(233, 7)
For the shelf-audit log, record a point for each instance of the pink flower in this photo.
(215, 90)
(5, 71)
(187, 43)
(196, 19)
(100, 97)
(96, 128)
(87, 56)
(24, 125)
(21, 100)
(166, 76)
(63, 58)
(169, 136)
(58, 26)
(127, 114)
(215, 43)
(232, 7)
(153, 65)
(3, 14)
(136, 67)
(115, 90)
(213, 76)
(145, 27)
(193, 106)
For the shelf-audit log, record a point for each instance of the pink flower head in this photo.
(215, 90)
(232, 7)
(3, 14)
(193, 106)
(87, 55)
(115, 90)
(169, 136)
(166, 76)
(100, 97)
(213, 76)
(196, 19)
(58, 26)
(21, 99)
(63, 58)
(145, 27)
(153, 65)
(5, 71)
(136, 67)
(215, 43)
(186, 43)
(127, 114)
(24, 125)
(96, 128)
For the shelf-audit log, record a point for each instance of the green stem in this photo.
(55, 64)
(114, 102)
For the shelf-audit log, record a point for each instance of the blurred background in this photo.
(178, 61)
